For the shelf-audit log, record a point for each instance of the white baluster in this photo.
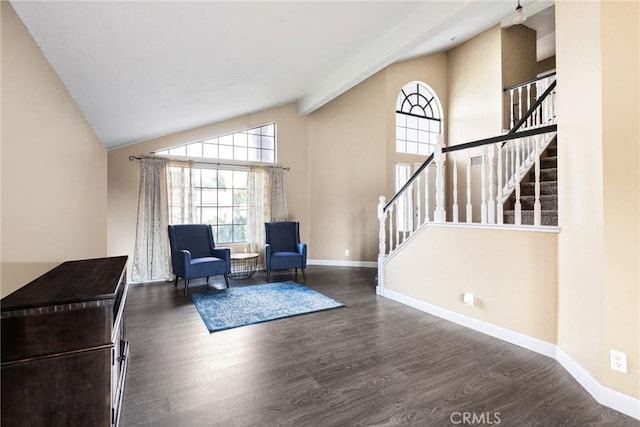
(469, 207)
(418, 202)
(491, 204)
(382, 218)
(426, 194)
(518, 206)
(455, 187)
(398, 220)
(514, 159)
(536, 119)
(483, 188)
(408, 211)
(519, 103)
(551, 100)
(513, 119)
(500, 209)
(382, 246)
(439, 215)
(537, 207)
(529, 104)
(391, 221)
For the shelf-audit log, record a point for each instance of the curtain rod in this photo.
(286, 168)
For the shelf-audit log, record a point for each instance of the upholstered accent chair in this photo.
(194, 255)
(283, 249)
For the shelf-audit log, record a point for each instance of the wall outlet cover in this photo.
(618, 361)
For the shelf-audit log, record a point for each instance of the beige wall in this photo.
(54, 169)
(546, 65)
(292, 151)
(347, 166)
(621, 201)
(475, 105)
(518, 55)
(518, 64)
(475, 88)
(512, 275)
(597, 108)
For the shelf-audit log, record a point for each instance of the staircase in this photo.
(548, 191)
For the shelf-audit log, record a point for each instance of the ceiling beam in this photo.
(425, 23)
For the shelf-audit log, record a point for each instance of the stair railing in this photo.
(519, 155)
(493, 168)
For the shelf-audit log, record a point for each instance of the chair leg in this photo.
(304, 275)
(175, 284)
(268, 274)
(208, 279)
(186, 287)
(226, 280)
(295, 274)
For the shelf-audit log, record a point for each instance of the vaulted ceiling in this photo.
(139, 70)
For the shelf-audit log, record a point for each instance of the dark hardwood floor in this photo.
(374, 362)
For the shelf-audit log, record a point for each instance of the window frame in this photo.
(418, 119)
(233, 142)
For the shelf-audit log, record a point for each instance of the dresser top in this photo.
(70, 282)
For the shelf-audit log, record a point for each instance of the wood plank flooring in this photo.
(373, 363)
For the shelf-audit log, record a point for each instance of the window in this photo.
(210, 196)
(418, 119)
(251, 145)
(216, 194)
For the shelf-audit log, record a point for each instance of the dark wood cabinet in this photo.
(64, 346)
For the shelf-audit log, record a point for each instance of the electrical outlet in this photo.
(467, 298)
(346, 252)
(618, 361)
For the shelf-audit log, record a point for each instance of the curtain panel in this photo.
(267, 202)
(151, 258)
(168, 195)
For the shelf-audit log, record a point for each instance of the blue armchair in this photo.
(283, 249)
(194, 255)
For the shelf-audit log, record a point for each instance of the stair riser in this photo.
(549, 163)
(547, 218)
(545, 204)
(546, 188)
(549, 175)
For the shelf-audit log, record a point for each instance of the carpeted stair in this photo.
(548, 191)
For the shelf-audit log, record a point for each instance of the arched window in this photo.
(418, 119)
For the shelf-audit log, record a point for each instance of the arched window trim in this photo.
(418, 119)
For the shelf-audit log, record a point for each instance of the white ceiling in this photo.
(140, 70)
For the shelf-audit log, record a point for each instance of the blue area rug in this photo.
(246, 305)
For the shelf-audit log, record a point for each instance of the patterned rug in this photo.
(246, 305)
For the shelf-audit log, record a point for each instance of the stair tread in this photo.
(542, 196)
(511, 211)
(541, 183)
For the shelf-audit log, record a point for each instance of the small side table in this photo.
(243, 265)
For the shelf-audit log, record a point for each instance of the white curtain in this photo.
(267, 202)
(151, 259)
(182, 196)
(277, 196)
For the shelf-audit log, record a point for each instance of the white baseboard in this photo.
(608, 397)
(513, 337)
(613, 399)
(342, 263)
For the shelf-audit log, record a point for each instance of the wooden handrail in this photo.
(473, 144)
(506, 89)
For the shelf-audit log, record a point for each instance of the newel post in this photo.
(382, 244)
(439, 215)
